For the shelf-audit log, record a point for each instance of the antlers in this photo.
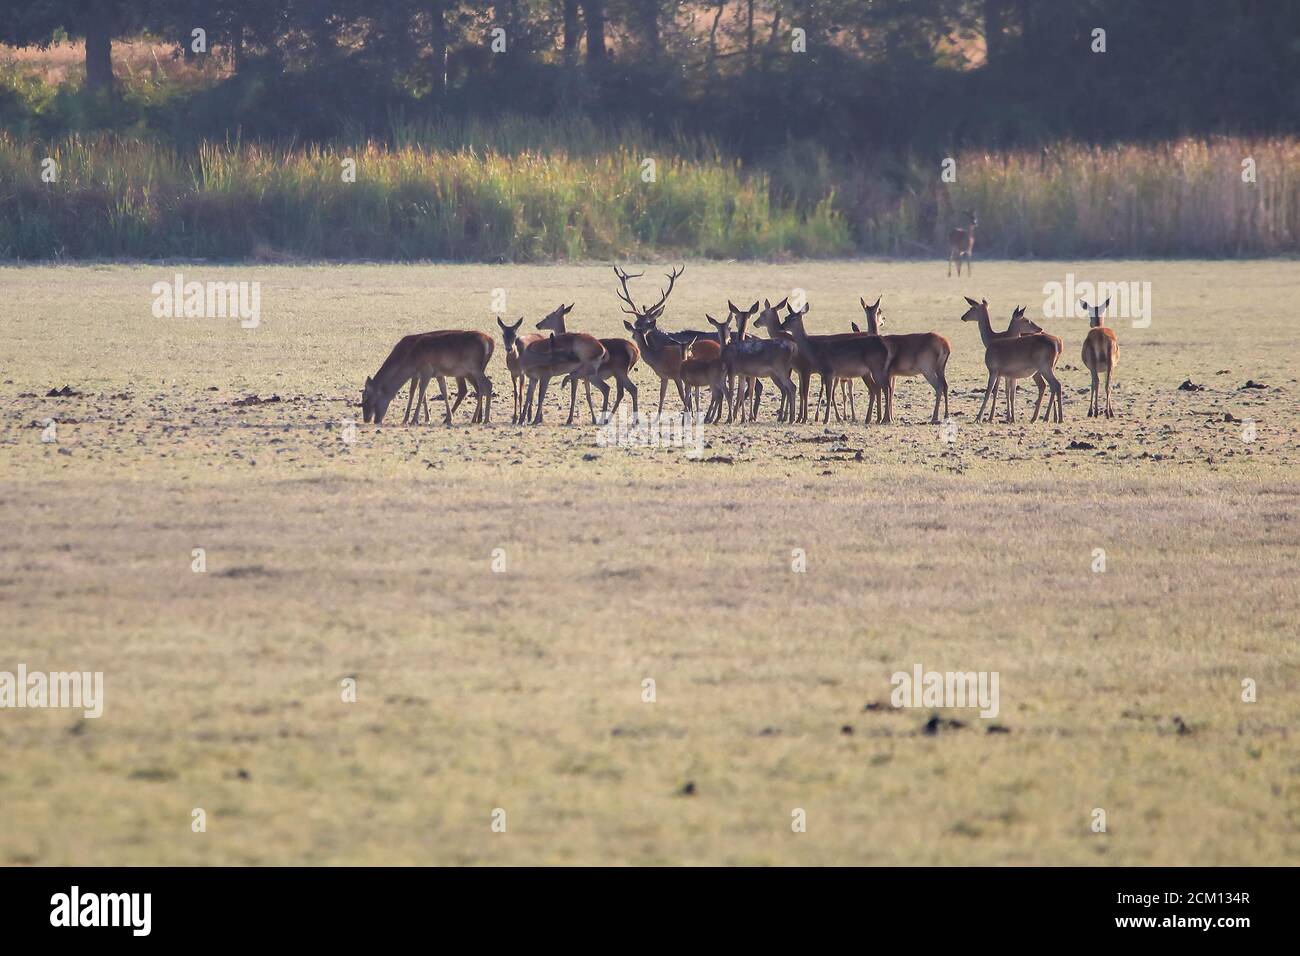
(653, 310)
(625, 295)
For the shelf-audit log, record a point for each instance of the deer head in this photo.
(374, 404)
(1096, 317)
(978, 311)
(555, 320)
(509, 332)
(875, 315)
(721, 327)
(1021, 325)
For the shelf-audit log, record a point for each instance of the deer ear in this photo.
(1084, 303)
(784, 301)
(730, 305)
(972, 302)
(519, 323)
(752, 309)
(984, 303)
(768, 305)
(628, 325)
(1102, 308)
(862, 302)
(855, 327)
(500, 323)
(878, 298)
(369, 381)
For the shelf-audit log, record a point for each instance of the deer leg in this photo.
(828, 387)
(997, 384)
(409, 400)
(446, 401)
(1055, 383)
(1109, 413)
(541, 398)
(573, 396)
(989, 389)
(950, 266)
(604, 398)
(681, 393)
(935, 383)
(1038, 403)
(626, 381)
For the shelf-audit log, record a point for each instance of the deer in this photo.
(913, 353)
(510, 335)
(1019, 325)
(576, 354)
(749, 360)
(770, 320)
(451, 353)
(621, 357)
(1100, 354)
(961, 244)
(661, 351)
(847, 355)
(703, 366)
(1016, 357)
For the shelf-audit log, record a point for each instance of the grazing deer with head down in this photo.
(961, 245)
(1016, 357)
(1100, 354)
(449, 353)
(847, 355)
(575, 354)
(913, 353)
(661, 351)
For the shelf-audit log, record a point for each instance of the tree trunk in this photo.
(97, 26)
(594, 12)
(650, 23)
(995, 19)
(439, 40)
(749, 37)
(572, 32)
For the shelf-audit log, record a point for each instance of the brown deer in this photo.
(770, 320)
(750, 359)
(914, 353)
(510, 335)
(575, 354)
(1019, 325)
(663, 353)
(847, 355)
(1100, 354)
(450, 353)
(1017, 357)
(621, 357)
(703, 367)
(961, 245)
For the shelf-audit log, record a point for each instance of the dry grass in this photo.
(522, 690)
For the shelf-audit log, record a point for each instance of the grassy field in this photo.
(522, 690)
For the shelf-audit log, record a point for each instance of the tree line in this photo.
(859, 76)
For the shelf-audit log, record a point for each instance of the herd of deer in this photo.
(731, 364)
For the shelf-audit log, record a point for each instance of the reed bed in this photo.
(523, 190)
